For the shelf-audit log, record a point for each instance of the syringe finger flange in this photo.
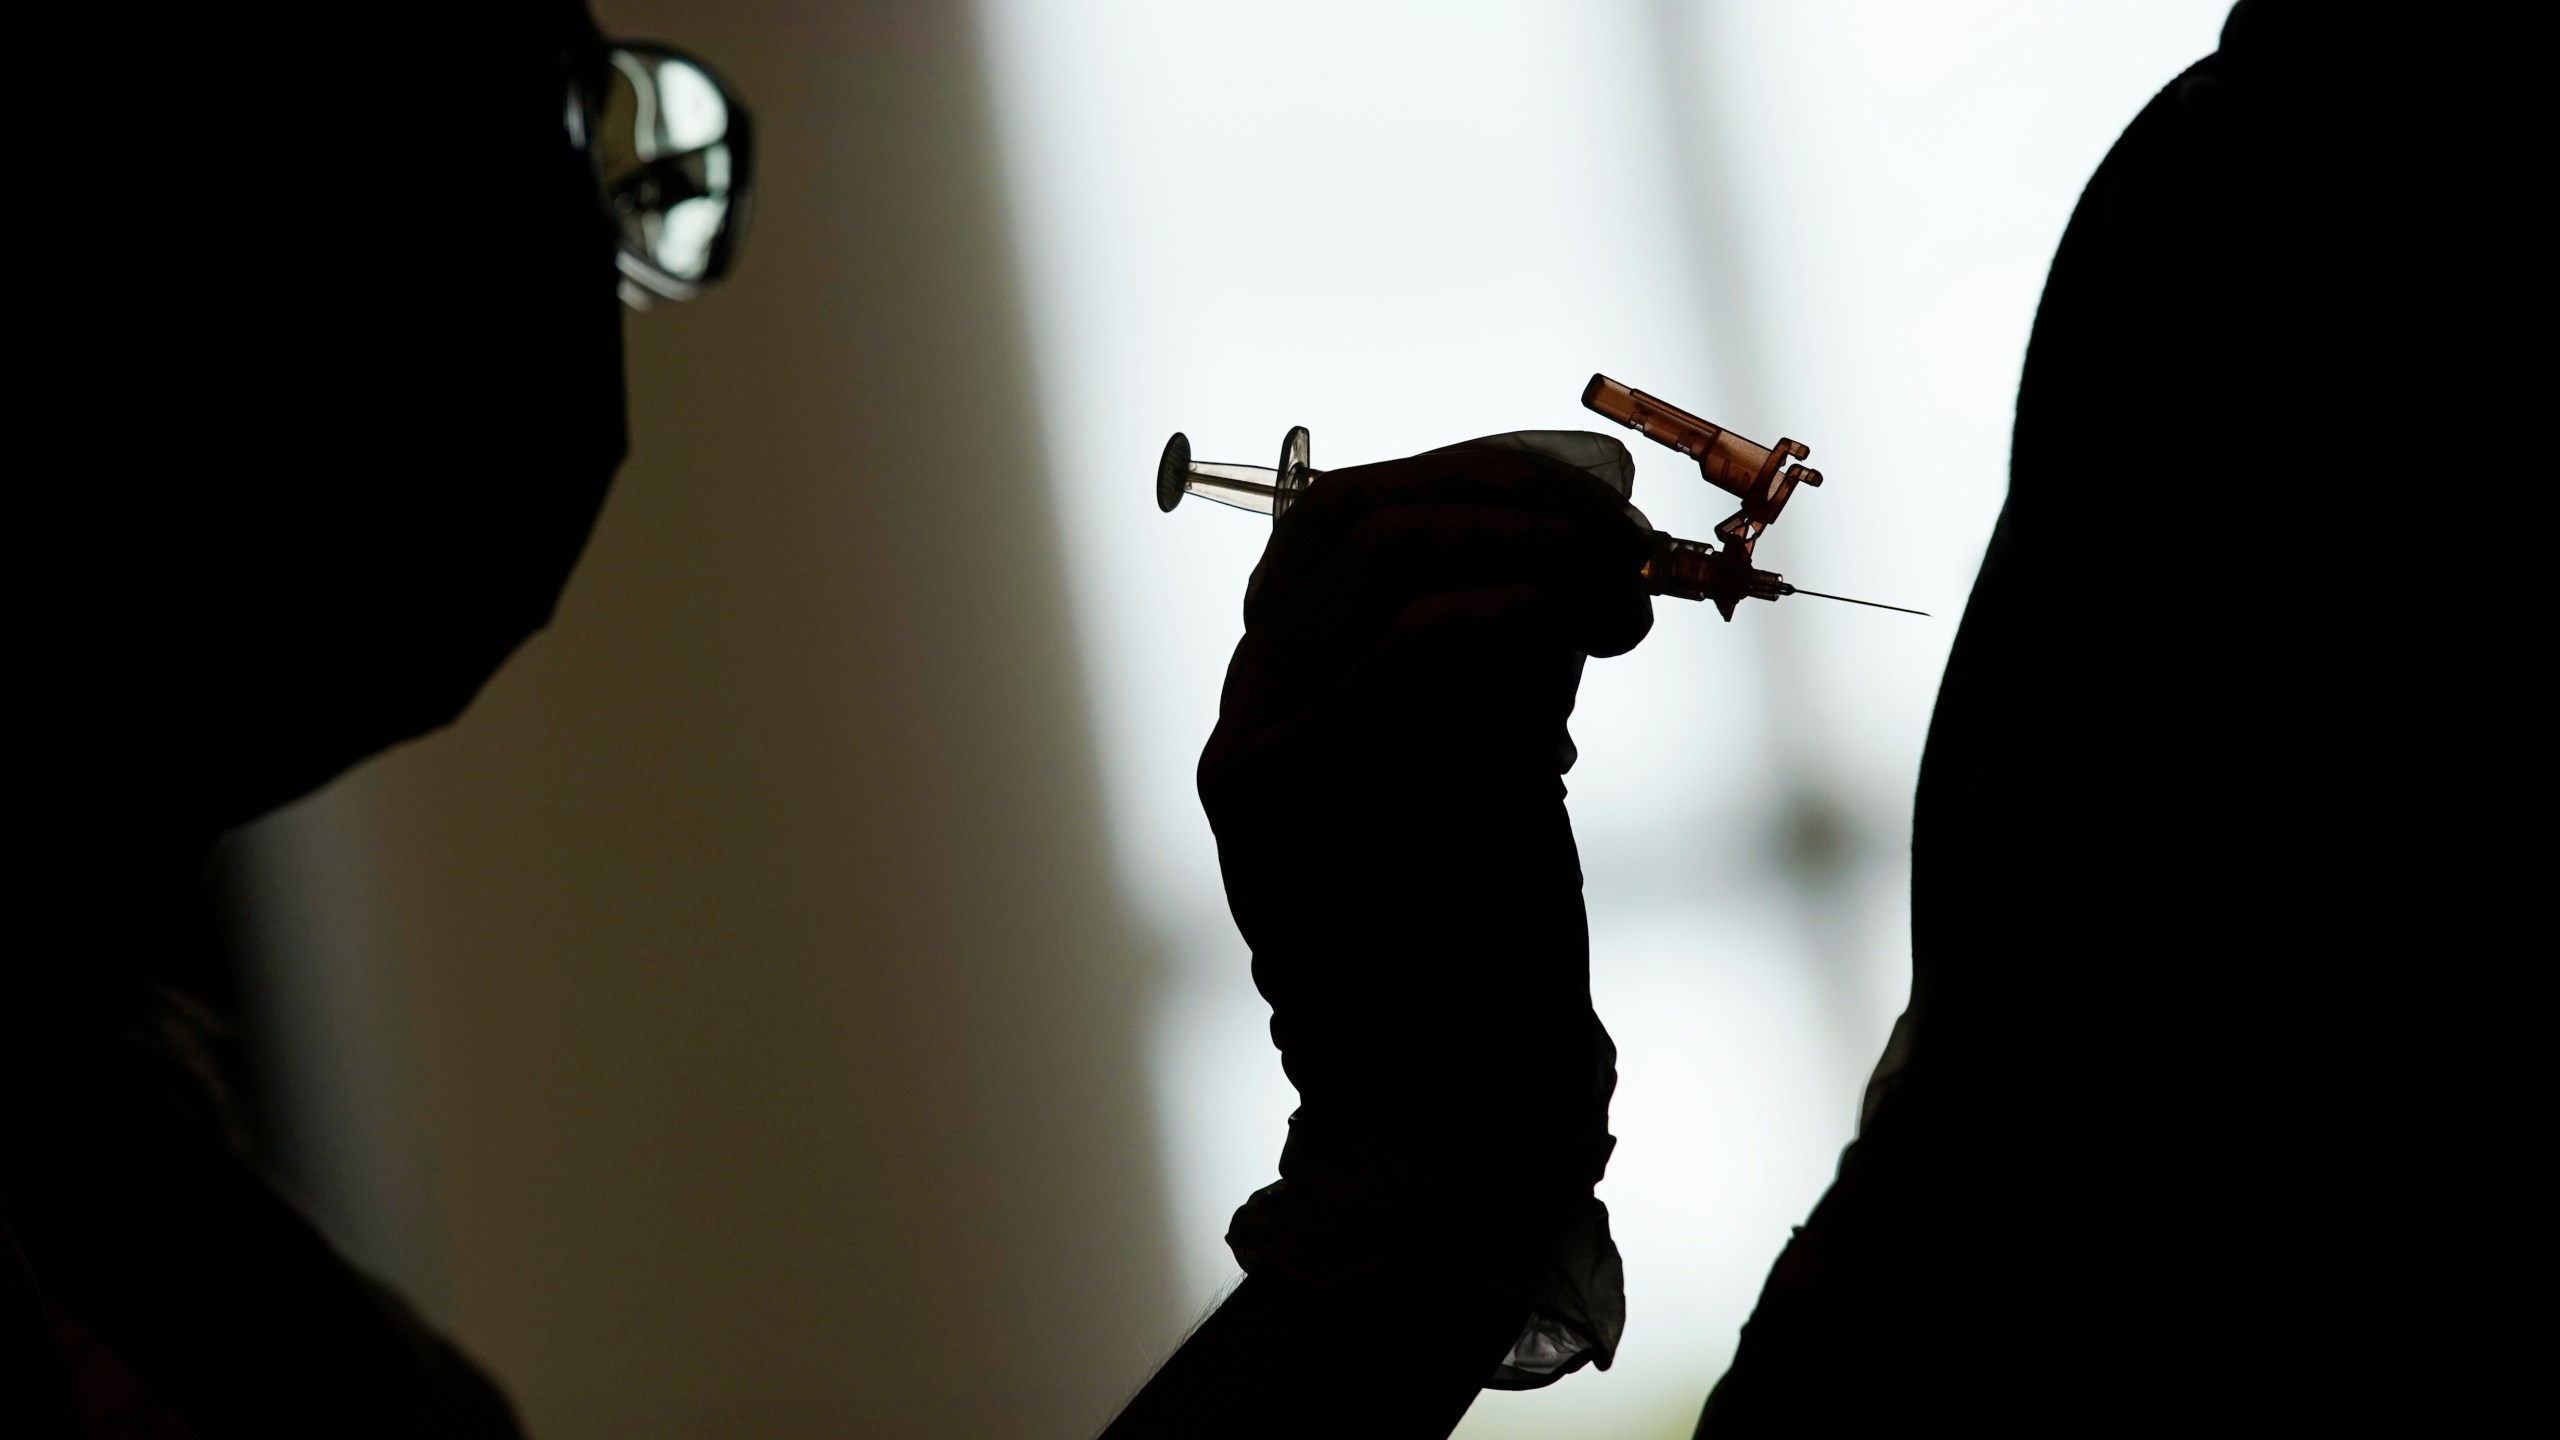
(1296, 454)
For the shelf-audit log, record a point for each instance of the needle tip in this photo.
(1851, 600)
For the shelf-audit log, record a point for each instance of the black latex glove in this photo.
(1384, 783)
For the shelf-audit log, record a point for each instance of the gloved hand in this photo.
(1384, 783)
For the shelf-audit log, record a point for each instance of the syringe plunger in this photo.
(1246, 487)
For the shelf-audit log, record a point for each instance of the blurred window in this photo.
(1403, 225)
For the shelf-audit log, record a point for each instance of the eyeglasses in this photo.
(674, 156)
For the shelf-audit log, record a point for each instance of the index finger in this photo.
(1534, 473)
(1572, 475)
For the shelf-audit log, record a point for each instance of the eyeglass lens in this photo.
(671, 155)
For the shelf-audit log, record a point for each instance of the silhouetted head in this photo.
(325, 308)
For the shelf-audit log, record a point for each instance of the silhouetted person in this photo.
(321, 391)
(2184, 1127)
(1384, 785)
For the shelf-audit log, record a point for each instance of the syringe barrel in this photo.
(1684, 569)
(1728, 461)
(1264, 490)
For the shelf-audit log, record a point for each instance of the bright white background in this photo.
(1403, 224)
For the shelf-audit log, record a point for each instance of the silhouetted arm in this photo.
(1384, 781)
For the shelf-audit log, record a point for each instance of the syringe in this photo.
(1682, 569)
